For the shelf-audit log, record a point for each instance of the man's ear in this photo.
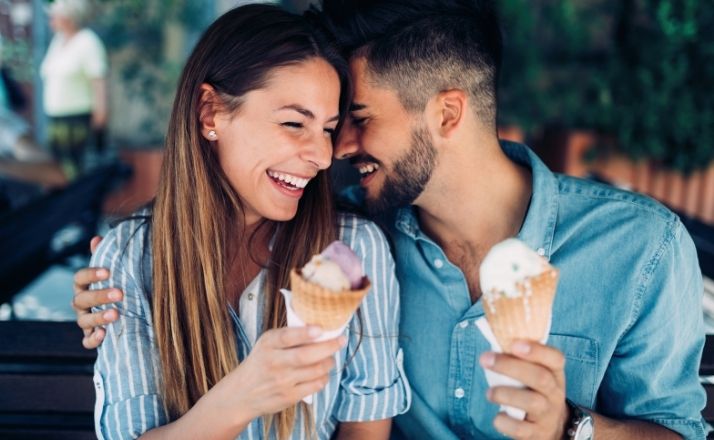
(208, 107)
(447, 111)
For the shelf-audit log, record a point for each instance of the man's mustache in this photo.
(363, 158)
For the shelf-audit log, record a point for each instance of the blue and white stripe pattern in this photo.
(368, 384)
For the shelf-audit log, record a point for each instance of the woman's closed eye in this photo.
(291, 124)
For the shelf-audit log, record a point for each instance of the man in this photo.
(627, 331)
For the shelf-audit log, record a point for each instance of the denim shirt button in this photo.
(464, 324)
(541, 251)
(459, 393)
(250, 297)
(438, 263)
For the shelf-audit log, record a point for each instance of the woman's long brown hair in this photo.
(197, 212)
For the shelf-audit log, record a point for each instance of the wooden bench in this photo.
(45, 382)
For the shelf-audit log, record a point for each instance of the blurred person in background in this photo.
(74, 77)
(21, 159)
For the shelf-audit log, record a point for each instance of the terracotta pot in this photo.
(619, 170)
(564, 151)
(512, 133)
(693, 193)
(141, 186)
(707, 196)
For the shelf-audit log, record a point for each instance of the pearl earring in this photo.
(212, 134)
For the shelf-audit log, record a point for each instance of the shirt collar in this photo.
(539, 226)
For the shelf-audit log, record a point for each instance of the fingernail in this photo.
(314, 331)
(489, 394)
(98, 336)
(107, 315)
(342, 340)
(521, 347)
(114, 294)
(488, 359)
(102, 273)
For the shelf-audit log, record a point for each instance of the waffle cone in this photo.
(329, 309)
(526, 316)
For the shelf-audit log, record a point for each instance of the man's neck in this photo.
(477, 198)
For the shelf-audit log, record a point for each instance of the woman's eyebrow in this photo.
(305, 112)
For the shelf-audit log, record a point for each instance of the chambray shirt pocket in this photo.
(581, 363)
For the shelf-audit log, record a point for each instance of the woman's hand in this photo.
(284, 366)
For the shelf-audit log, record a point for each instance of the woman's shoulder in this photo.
(125, 241)
(360, 233)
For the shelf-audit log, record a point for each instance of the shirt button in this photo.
(250, 297)
(541, 251)
(459, 393)
(438, 263)
(464, 324)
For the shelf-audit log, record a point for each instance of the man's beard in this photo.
(408, 176)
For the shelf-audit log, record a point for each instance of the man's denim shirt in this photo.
(627, 313)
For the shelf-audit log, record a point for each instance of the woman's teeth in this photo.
(297, 182)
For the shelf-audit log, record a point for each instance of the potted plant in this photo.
(147, 43)
(662, 113)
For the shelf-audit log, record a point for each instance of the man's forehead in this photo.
(366, 92)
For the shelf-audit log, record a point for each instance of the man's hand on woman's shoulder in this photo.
(84, 299)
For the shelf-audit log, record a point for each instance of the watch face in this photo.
(585, 430)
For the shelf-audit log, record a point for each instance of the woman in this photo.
(201, 349)
(74, 78)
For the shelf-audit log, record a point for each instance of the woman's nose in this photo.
(319, 152)
(346, 144)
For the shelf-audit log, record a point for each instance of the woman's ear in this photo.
(207, 111)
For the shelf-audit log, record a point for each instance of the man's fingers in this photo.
(88, 275)
(94, 339)
(549, 357)
(94, 243)
(545, 355)
(535, 405)
(517, 429)
(531, 374)
(88, 321)
(86, 299)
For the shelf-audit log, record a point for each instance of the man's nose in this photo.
(347, 142)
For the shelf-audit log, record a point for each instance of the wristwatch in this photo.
(580, 426)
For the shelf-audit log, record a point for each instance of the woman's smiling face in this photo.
(280, 138)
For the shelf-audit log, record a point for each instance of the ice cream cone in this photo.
(317, 305)
(526, 316)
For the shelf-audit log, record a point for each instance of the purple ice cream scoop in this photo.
(348, 261)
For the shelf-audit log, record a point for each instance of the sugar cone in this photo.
(329, 309)
(526, 316)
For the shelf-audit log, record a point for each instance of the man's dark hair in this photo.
(422, 47)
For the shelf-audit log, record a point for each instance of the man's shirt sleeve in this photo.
(654, 372)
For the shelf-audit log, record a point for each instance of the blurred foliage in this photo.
(140, 35)
(641, 70)
(662, 81)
